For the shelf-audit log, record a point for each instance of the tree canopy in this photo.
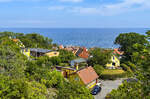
(21, 78)
(131, 42)
(100, 56)
(136, 48)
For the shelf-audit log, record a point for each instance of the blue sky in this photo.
(75, 13)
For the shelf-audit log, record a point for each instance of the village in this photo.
(33, 67)
(78, 68)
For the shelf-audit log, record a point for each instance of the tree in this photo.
(74, 90)
(137, 58)
(12, 62)
(131, 42)
(66, 56)
(36, 40)
(99, 69)
(99, 56)
(31, 40)
(21, 89)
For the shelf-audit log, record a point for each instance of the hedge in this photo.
(112, 74)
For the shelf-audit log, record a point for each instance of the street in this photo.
(107, 86)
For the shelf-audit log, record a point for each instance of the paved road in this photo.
(107, 86)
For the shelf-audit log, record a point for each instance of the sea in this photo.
(87, 37)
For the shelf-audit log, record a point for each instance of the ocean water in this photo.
(88, 37)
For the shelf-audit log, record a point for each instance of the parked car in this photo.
(96, 90)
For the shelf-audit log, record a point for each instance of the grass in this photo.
(113, 71)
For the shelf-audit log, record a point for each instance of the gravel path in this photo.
(107, 86)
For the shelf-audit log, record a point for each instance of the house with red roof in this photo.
(116, 51)
(82, 53)
(86, 76)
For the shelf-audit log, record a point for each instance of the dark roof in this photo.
(40, 50)
(79, 60)
(79, 51)
(61, 67)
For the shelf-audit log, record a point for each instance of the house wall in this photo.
(26, 52)
(115, 60)
(92, 84)
(75, 77)
(52, 54)
(68, 72)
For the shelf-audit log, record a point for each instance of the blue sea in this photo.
(88, 37)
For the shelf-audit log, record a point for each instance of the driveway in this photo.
(107, 86)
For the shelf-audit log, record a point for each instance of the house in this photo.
(25, 51)
(116, 51)
(19, 43)
(86, 76)
(61, 47)
(82, 53)
(115, 62)
(66, 71)
(52, 54)
(37, 52)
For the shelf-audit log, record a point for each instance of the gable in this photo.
(87, 75)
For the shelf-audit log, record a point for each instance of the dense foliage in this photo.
(30, 40)
(66, 56)
(99, 56)
(99, 69)
(136, 60)
(23, 78)
(130, 43)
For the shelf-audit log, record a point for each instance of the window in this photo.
(113, 58)
(77, 79)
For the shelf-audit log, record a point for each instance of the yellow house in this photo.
(115, 62)
(26, 52)
(86, 76)
(37, 52)
(66, 71)
(52, 54)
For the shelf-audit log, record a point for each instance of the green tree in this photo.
(12, 62)
(131, 42)
(74, 90)
(66, 56)
(100, 57)
(99, 69)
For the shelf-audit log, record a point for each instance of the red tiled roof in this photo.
(15, 40)
(87, 75)
(116, 51)
(83, 53)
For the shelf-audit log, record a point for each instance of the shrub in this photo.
(99, 69)
(132, 66)
(112, 74)
(128, 69)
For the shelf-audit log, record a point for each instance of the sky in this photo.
(75, 13)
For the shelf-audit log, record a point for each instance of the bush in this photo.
(112, 74)
(132, 66)
(128, 69)
(99, 69)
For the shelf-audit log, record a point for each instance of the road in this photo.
(107, 86)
